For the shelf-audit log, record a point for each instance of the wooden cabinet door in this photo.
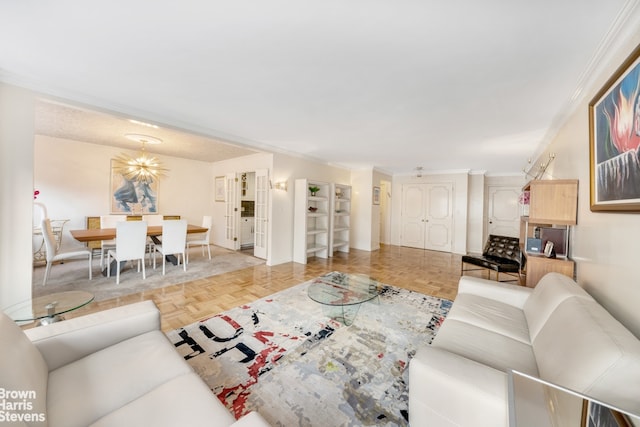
(554, 201)
(538, 266)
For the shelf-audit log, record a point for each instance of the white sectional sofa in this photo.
(555, 331)
(111, 368)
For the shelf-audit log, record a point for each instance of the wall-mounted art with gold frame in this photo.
(614, 140)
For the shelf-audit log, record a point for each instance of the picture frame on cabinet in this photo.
(614, 140)
(219, 189)
(376, 195)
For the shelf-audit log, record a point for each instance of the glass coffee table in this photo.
(341, 295)
(50, 308)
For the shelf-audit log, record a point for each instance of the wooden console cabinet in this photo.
(551, 203)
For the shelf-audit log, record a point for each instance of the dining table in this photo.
(153, 231)
(98, 234)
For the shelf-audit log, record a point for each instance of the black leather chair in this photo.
(501, 254)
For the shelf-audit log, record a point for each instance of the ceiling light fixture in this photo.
(143, 168)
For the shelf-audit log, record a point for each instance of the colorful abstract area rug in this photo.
(284, 357)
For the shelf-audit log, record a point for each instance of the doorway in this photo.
(503, 211)
(246, 211)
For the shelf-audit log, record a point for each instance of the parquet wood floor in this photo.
(427, 272)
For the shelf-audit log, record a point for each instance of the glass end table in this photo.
(50, 308)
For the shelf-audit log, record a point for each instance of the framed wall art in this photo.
(219, 189)
(595, 414)
(376, 195)
(132, 197)
(614, 140)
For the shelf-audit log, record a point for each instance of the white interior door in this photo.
(413, 224)
(439, 217)
(427, 216)
(503, 214)
(261, 213)
(232, 213)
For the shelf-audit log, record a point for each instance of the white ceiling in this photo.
(390, 84)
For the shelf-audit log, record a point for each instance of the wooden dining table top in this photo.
(96, 234)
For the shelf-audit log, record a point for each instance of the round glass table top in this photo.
(343, 289)
(49, 305)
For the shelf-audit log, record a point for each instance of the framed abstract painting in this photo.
(132, 197)
(614, 140)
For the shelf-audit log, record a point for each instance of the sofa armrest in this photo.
(64, 342)
(507, 293)
(446, 389)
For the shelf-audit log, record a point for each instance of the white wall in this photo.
(17, 114)
(74, 182)
(360, 234)
(605, 246)
(460, 183)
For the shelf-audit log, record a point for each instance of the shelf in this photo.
(316, 231)
(311, 248)
(311, 229)
(339, 243)
(336, 229)
(553, 205)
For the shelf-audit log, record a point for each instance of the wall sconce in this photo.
(281, 185)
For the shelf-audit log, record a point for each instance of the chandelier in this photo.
(142, 168)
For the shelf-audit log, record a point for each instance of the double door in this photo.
(427, 216)
(232, 212)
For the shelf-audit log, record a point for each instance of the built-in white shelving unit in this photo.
(340, 225)
(311, 220)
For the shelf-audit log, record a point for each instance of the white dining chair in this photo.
(153, 220)
(108, 221)
(204, 241)
(53, 254)
(131, 245)
(174, 237)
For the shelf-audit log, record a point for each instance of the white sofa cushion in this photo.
(492, 315)
(64, 342)
(447, 390)
(551, 291)
(23, 368)
(84, 391)
(503, 292)
(582, 347)
(186, 394)
(485, 346)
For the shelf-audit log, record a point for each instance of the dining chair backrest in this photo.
(109, 221)
(39, 213)
(131, 239)
(49, 239)
(207, 221)
(153, 220)
(174, 235)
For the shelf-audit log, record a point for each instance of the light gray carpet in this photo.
(74, 274)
